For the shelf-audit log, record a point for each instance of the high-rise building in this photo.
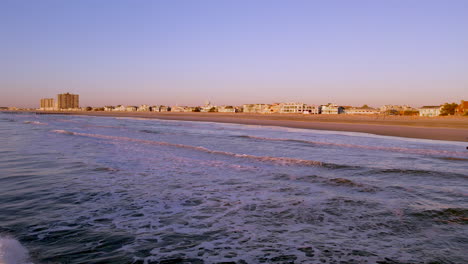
(67, 101)
(47, 104)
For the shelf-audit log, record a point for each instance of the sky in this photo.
(231, 52)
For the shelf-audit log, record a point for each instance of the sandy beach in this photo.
(451, 128)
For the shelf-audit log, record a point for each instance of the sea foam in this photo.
(12, 252)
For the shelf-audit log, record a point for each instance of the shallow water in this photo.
(121, 190)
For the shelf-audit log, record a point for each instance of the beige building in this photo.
(68, 101)
(47, 104)
(255, 108)
(298, 108)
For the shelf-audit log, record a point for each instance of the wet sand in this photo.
(452, 128)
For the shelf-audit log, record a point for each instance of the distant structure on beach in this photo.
(47, 104)
(430, 111)
(462, 108)
(67, 101)
(70, 102)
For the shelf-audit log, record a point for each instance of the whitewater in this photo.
(81, 189)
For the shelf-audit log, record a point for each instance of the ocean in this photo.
(81, 189)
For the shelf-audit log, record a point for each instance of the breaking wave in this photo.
(34, 123)
(277, 160)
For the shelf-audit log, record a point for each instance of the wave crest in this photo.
(277, 160)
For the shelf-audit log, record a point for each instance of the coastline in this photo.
(435, 128)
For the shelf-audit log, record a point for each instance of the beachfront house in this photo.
(131, 108)
(255, 108)
(361, 111)
(181, 109)
(119, 108)
(227, 109)
(332, 109)
(109, 108)
(143, 108)
(430, 111)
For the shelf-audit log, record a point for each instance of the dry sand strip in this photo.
(443, 128)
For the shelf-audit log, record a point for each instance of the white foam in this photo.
(12, 252)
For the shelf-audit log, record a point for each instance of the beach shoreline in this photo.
(452, 128)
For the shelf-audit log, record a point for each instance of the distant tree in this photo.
(89, 108)
(99, 109)
(448, 109)
(365, 106)
(196, 109)
(212, 109)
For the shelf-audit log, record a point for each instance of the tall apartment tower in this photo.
(67, 101)
(47, 104)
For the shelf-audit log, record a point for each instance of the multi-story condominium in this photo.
(255, 108)
(227, 109)
(47, 104)
(430, 111)
(361, 111)
(331, 109)
(298, 108)
(68, 101)
(290, 108)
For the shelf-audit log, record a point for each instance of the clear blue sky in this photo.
(350, 52)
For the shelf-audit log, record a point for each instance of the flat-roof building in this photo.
(68, 101)
(47, 104)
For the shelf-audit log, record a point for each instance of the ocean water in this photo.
(77, 189)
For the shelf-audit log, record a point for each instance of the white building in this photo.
(331, 109)
(361, 111)
(430, 111)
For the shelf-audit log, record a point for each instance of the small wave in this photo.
(63, 132)
(418, 172)
(391, 149)
(150, 131)
(12, 252)
(348, 183)
(277, 160)
(447, 216)
(34, 122)
(7, 119)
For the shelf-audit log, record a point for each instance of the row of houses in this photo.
(294, 108)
